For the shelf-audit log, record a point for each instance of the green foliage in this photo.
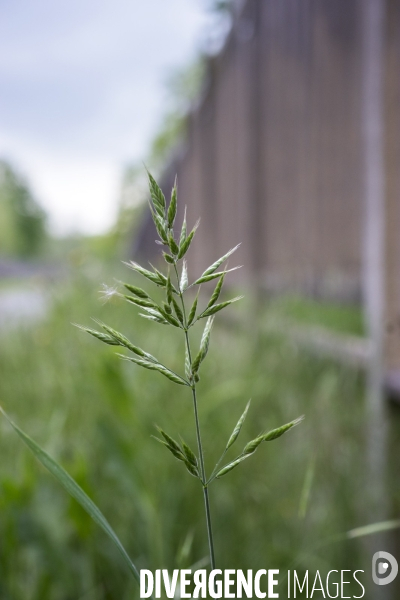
(164, 218)
(22, 221)
(74, 490)
(95, 415)
(341, 318)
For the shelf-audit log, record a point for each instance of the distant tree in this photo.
(221, 5)
(22, 220)
(183, 87)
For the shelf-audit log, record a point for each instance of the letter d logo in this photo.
(381, 574)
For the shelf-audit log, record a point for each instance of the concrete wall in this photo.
(274, 158)
(273, 151)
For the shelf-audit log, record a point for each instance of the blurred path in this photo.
(20, 301)
(22, 305)
(20, 269)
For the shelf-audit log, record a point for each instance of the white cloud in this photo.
(84, 192)
(81, 92)
(79, 193)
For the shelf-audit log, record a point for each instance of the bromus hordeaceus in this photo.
(175, 312)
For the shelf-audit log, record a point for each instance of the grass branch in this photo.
(198, 435)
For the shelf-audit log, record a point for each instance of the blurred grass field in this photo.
(96, 414)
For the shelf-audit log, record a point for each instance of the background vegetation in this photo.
(22, 220)
(96, 414)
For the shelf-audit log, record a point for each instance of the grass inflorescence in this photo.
(176, 302)
(174, 311)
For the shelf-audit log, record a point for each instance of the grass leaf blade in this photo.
(70, 485)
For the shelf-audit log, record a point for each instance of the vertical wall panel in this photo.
(273, 153)
(392, 107)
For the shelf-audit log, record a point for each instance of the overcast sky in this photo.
(82, 91)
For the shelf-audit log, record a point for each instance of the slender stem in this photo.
(221, 458)
(209, 527)
(198, 435)
(205, 486)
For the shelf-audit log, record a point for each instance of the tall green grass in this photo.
(96, 415)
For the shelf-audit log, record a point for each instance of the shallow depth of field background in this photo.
(292, 503)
